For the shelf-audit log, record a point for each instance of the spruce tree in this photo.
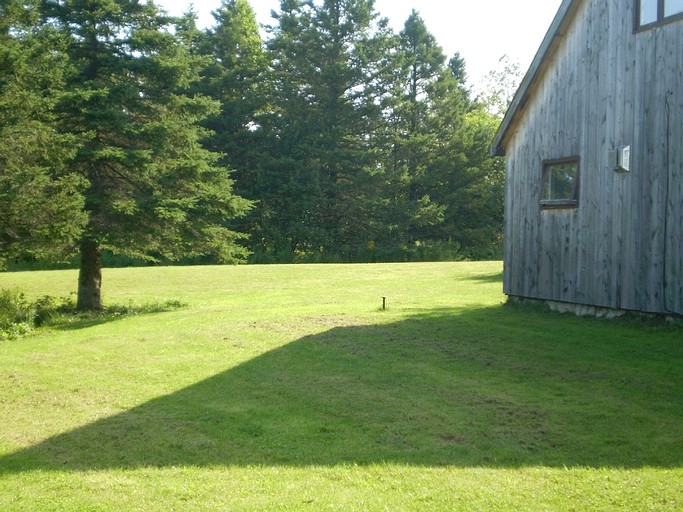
(153, 191)
(329, 79)
(420, 65)
(463, 175)
(235, 75)
(42, 206)
(449, 189)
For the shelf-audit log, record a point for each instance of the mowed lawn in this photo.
(289, 388)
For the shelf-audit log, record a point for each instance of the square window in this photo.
(560, 183)
(648, 11)
(651, 12)
(672, 7)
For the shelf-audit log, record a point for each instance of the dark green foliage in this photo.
(472, 183)
(153, 189)
(449, 190)
(376, 151)
(135, 136)
(16, 314)
(42, 206)
(413, 142)
(321, 187)
(234, 74)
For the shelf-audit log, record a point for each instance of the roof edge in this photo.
(564, 15)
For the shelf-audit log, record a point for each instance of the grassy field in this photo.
(289, 388)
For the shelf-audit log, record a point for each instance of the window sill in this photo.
(559, 205)
(659, 23)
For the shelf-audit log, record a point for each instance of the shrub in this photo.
(16, 314)
(48, 309)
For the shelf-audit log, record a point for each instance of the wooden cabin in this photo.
(594, 148)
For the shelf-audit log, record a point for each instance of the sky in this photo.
(481, 30)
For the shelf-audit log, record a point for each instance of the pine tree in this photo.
(449, 194)
(329, 75)
(414, 140)
(463, 175)
(235, 75)
(152, 190)
(42, 206)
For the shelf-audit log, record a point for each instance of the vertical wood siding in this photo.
(605, 86)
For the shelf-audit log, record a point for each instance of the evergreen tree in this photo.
(41, 214)
(152, 190)
(477, 212)
(464, 176)
(457, 71)
(451, 200)
(235, 75)
(414, 140)
(329, 79)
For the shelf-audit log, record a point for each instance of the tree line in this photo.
(129, 132)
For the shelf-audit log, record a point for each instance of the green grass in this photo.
(288, 388)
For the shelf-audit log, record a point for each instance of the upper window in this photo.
(672, 7)
(560, 183)
(650, 12)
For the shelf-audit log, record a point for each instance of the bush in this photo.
(16, 314)
(49, 308)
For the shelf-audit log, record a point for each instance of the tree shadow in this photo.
(491, 387)
(496, 277)
(69, 319)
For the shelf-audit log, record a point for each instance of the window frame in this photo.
(661, 17)
(566, 203)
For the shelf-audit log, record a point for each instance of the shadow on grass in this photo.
(488, 278)
(69, 319)
(493, 387)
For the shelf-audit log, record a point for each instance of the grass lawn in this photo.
(289, 388)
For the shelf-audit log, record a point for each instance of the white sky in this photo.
(481, 30)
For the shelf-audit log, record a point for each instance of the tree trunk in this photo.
(90, 277)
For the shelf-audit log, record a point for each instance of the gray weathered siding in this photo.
(604, 86)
